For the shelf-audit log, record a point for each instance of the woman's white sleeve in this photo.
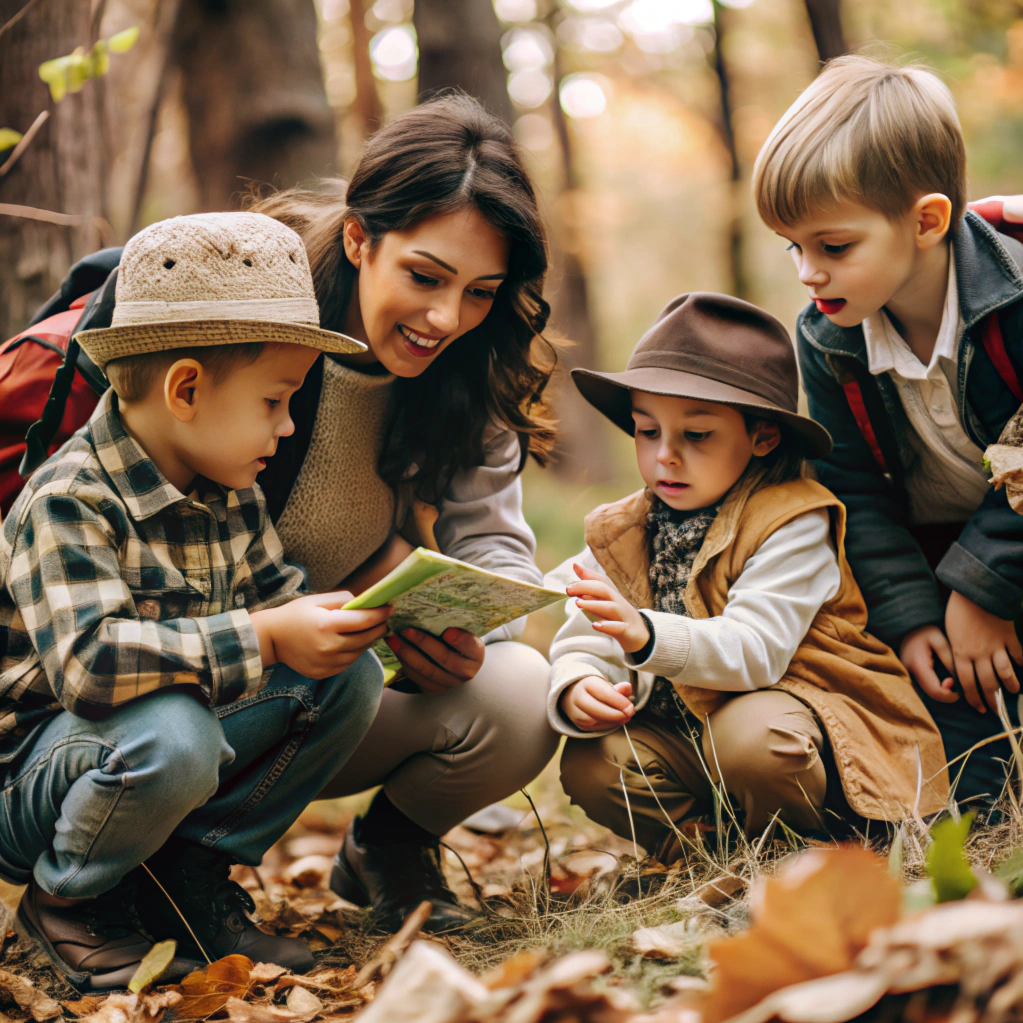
(770, 608)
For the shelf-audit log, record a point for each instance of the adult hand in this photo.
(437, 665)
(983, 649)
(599, 597)
(314, 637)
(917, 653)
(594, 705)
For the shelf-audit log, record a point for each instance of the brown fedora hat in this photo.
(712, 348)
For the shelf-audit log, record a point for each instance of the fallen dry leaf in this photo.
(205, 992)
(809, 921)
(239, 1011)
(426, 986)
(514, 970)
(303, 1002)
(153, 966)
(266, 973)
(128, 1007)
(309, 871)
(84, 1006)
(669, 941)
(27, 996)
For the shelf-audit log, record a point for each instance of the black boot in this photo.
(97, 944)
(394, 878)
(216, 908)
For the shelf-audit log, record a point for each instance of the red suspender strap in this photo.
(854, 396)
(991, 337)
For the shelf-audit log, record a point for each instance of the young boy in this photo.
(716, 615)
(909, 352)
(145, 595)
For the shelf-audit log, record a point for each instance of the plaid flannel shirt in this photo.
(114, 584)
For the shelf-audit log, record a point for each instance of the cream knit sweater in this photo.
(340, 511)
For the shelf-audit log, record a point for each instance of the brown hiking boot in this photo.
(215, 907)
(96, 943)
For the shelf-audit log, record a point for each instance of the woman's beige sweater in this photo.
(340, 511)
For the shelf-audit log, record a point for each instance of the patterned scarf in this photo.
(675, 539)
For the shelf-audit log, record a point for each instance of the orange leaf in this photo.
(811, 920)
(207, 991)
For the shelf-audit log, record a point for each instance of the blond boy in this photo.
(909, 353)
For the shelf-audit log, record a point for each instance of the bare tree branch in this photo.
(25, 142)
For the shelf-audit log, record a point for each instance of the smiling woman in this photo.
(434, 256)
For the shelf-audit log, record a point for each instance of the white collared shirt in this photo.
(946, 481)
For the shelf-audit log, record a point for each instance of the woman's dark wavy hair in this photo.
(441, 157)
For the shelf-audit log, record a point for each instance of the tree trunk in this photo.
(367, 100)
(460, 47)
(580, 450)
(740, 284)
(826, 23)
(62, 168)
(253, 88)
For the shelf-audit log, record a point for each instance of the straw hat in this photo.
(213, 279)
(714, 348)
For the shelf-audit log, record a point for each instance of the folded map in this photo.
(433, 592)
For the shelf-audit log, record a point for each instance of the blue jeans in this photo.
(92, 799)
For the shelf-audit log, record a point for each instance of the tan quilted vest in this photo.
(881, 735)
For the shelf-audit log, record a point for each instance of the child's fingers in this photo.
(934, 687)
(593, 590)
(968, 680)
(940, 645)
(606, 609)
(987, 681)
(587, 703)
(1003, 668)
(625, 688)
(611, 628)
(585, 573)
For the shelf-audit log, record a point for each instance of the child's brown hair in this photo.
(865, 131)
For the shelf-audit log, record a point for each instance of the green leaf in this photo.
(947, 866)
(1010, 871)
(54, 73)
(153, 966)
(123, 41)
(9, 138)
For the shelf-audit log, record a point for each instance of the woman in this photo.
(435, 258)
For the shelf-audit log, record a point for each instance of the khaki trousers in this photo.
(442, 757)
(765, 747)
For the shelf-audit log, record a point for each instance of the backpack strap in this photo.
(864, 399)
(994, 345)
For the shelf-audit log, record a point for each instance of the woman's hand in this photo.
(314, 636)
(983, 649)
(437, 665)
(594, 705)
(917, 653)
(598, 596)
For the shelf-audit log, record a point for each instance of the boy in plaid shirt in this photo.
(144, 593)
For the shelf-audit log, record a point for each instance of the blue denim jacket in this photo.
(986, 563)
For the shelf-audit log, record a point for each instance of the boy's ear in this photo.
(179, 387)
(766, 437)
(933, 217)
(355, 241)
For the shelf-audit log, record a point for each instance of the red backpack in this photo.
(48, 387)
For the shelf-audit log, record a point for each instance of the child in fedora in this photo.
(144, 596)
(717, 635)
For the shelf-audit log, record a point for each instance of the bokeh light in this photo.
(526, 49)
(515, 10)
(589, 6)
(583, 95)
(529, 88)
(591, 35)
(534, 131)
(394, 53)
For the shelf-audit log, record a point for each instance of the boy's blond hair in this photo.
(877, 134)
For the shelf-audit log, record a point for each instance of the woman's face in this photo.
(419, 290)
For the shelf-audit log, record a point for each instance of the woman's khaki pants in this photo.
(442, 757)
(763, 748)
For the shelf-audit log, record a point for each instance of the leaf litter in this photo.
(735, 932)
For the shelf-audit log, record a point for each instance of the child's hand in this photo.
(917, 653)
(594, 705)
(619, 619)
(983, 649)
(314, 637)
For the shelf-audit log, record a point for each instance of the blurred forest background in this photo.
(640, 119)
